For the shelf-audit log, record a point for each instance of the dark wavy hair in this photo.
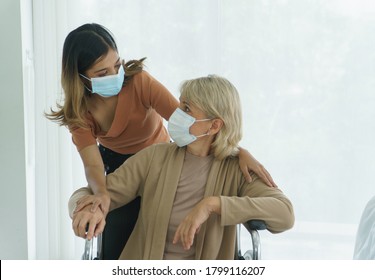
(83, 47)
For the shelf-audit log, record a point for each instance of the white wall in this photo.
(13, 217)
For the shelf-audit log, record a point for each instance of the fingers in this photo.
(90, 232)
(177, 236)
(99, 227)
(186, 241)
(87, 225)
(87, 200)
(191, 224)
(105, 213)
(82, 203)
(269, 178)
(185, 234)
(263, 174)
(246, 173)
(79, 225)
(266, 177)
(95, 206)
(248, 163)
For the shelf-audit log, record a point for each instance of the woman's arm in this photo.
(191, 224)
(249, 163)
(257, 201)
(156, 95)
(121, 186)
(95, 176)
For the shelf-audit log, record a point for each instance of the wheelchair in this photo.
(252, 226)
(92, 249)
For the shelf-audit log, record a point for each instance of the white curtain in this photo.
(305, 72)
(57, 169)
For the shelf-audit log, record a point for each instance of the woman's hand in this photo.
(87, 224)
(100, 200)
(248, 162)
(96, 179)
(191, 224)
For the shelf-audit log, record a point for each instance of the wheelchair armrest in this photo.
(255, 225)
(252, 227)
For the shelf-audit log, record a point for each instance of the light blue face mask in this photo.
(107, 86)
(178, 128)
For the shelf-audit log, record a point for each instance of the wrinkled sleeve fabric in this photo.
(75, 197)
(128, 181)
(256, 200)
(82, 137)
(124, 184)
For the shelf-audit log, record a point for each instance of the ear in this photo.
(216, 125)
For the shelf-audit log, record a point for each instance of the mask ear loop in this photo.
(208, 131)
(205, 134)
(83, 76)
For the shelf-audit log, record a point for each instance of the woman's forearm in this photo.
(96, 179)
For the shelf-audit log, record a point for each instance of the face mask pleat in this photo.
(107, 86)
(178, 127)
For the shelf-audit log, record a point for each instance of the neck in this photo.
(200, 147)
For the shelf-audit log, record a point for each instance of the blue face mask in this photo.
(107, 86)
(178, 128)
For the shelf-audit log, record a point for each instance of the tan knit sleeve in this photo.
(75, 197)
(256, 200)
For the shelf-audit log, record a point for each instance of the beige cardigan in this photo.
(153, 174)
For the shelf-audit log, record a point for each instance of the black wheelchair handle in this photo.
(256, 224)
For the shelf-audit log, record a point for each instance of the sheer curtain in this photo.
(305, 73)
(57, 168)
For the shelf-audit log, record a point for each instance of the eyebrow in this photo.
(118, 59)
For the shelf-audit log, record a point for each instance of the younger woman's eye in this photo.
(102, 74)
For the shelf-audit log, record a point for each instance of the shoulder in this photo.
(232, 168)
(164, 149)
(160, 150)
(143, 77)
(144, 84)
(89, 121)
(232, 163)
(157, 156)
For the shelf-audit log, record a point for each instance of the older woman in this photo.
(192, 191)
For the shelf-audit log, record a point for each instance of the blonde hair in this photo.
(83, 47)
(217, 98)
